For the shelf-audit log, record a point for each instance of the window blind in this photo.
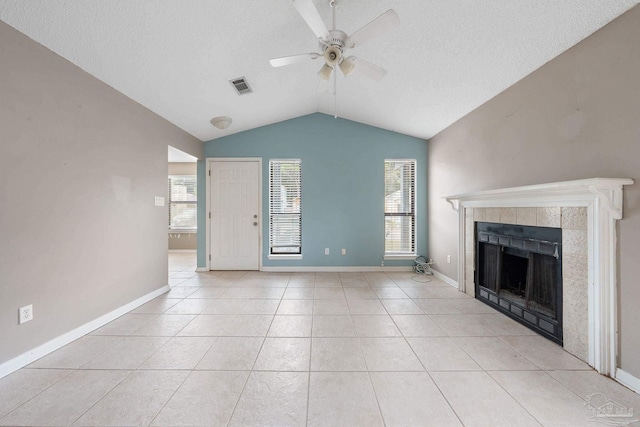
(399, 206)
(285, 214)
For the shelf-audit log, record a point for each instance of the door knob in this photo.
(255, 224)
(255, 216)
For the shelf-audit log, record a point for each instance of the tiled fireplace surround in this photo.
(575, 299)
(586, 210)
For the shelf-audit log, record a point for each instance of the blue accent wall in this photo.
(342, 186)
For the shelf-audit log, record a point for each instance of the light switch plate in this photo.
(159, 201)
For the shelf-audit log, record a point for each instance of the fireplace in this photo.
(587, 211)
(519, 272)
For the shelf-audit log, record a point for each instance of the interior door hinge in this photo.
(209, 257)
(209, 173)
(209, 215)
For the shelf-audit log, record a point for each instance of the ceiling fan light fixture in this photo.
(325, 72)
(332, 55)
(221, 122)
(347, 65)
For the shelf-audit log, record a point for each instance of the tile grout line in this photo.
(71, 371)
(244, 386)
(422, 364)
(104, 395)
(171, 397)
(375, 394)
(306, 423)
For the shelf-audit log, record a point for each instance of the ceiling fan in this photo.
(334, 42)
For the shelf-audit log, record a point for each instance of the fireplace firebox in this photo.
(518, 271)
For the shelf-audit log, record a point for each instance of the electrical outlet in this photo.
(25, 314)
(448, 259)
(326, 251)
(344, 251)
(159, 201)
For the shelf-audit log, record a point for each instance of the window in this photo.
(399, 207)
(182, 202)
(285, 215)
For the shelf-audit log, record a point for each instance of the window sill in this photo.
(285, 257)
(400, 257)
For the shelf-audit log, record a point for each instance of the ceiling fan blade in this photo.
(310, 14)
(367, 69)
(373, 29)
(294, 59)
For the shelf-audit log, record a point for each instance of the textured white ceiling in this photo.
(176, 57)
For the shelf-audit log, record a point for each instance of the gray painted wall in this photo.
(80, 165)
(576, 117)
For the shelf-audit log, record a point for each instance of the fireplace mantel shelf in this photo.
(566, 193)
(603, 199)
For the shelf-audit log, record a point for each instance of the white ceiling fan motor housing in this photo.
(334, 47)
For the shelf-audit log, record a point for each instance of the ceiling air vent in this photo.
(241, 85)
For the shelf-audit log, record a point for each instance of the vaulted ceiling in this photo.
(176, 57)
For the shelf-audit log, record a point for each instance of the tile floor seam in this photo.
(375, 395)
(40, 392)
(306, 423)
(493, 370)
(563, 386)
(244, 386)
(443, 395)
(246, 381)
(170, 397)
(513, 397)
(103, 396)
(523, 355)
(205, 353)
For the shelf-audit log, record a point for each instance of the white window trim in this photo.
(400, 257)
(283, 257)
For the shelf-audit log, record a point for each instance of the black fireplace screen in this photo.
(518, 271)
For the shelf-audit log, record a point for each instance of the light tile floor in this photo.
(314, 349)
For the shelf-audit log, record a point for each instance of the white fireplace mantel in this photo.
(603, 199)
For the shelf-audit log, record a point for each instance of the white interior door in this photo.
(235, 215)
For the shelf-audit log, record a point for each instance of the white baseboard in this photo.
(202, 269)
(183, 250)
(50, 346)
(445, 279)
(628, 380)
(333, 269)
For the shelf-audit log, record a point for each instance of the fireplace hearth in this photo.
(519, 272)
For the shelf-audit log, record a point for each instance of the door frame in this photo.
(210, 160)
